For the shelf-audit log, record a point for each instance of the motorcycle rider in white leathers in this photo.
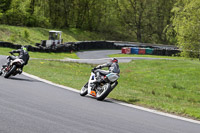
(112, 66)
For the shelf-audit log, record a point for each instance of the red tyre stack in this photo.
(123, 50)
(141, 51)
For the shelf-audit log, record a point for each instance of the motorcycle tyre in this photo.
(8, 74)
(83, 93)
(105, 93)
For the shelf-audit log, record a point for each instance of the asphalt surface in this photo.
(101, 56)
(97, 54)
(28, 105)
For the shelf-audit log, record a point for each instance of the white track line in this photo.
(117, 102)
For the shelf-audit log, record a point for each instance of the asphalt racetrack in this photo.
(28, 105)
(101, 56)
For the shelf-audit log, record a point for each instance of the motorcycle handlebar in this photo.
(12, 53)
(93, 70)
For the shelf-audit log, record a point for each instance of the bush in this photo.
(26, 34)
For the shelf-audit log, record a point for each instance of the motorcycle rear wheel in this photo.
(106, 89)
(84, 90)
(9, 73)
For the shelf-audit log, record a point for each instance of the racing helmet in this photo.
(24, 48)
(114, 60)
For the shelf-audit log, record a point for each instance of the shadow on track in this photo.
(23, 79)
(107, 100)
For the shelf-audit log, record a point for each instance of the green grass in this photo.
(5, 51)
(30, 36)
(150, 56)
(168, 85)
(69, 74)
(172, 86)
(53, 55)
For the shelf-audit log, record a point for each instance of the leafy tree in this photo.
(130, 20)
(5, 5)
(161, 19)
(146, 20)
(16, 15)
(186, 24)
(132, 15)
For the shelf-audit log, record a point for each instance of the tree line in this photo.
(155, 21)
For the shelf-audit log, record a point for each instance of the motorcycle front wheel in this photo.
(10, 72)
(103, 92)
(84, 90)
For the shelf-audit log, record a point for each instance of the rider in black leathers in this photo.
(23, 54)
(112, 66)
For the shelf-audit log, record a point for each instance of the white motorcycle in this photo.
(100, 90)
(13, 68)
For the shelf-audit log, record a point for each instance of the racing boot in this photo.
(2, 69)
(98, 80)
(93, 92)
(20, 71)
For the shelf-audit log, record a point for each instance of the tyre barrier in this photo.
(93, 45)
(66, 47)
(150, 51)
(89, 45)
(9, 45)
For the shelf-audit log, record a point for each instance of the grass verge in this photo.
(169, 85)
(5, 51)
(149, 56)
(60, 72)
(32, 35)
